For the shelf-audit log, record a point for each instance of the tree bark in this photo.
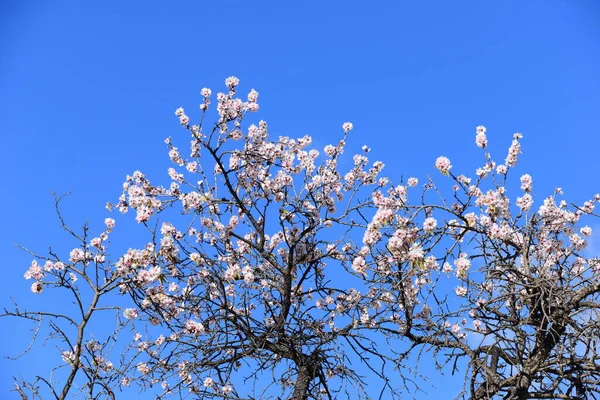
(305, 376)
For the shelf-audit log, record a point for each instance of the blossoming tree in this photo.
(273, 270)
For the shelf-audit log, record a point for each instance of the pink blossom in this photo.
(577, 242)
(359, 265)
(501, 169)
(461, 291)
(412, 182)
(480, 138)
(167, 229)
(513, 151)
(431, 263)
(192, 166)
(205, 92)
(143, 368)
(462, 265)
(253, 96)
(525, 202)
(248, 275)
(77, 255)
(415, 254)
(194, 327)
(68, 357)
(110, 224)
(175, 157)
(526, 183)
(227, 389)
(471, 219)
(232, 272)
(174, 175)
(160, 340)
(232, 82)
(130, 313)
(586, 231)
(330, 150)
(578, 266)
(429, 224)
(37, 287)
(447, 268)
(455, 329)
(443, 165)
(383, 217)
(192, 200)
(236, 134)
(183, 119)
(347, 126)
(588, 206)
(196, 257)
(34, 271)
(145, 277)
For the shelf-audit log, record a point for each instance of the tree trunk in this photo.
(305, 375)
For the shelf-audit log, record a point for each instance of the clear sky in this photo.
(88, 91)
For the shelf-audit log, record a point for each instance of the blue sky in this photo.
(88, 91)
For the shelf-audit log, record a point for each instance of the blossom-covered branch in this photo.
(274, 269)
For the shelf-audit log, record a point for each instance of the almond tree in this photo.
(523, 314)
(273, 270)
